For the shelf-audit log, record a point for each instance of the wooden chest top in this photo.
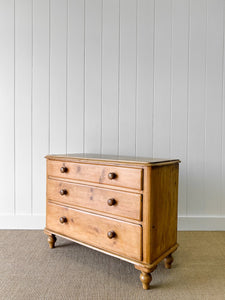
(102, 158)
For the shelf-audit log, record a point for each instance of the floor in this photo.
(30, 270)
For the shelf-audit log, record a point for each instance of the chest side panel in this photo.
(163, 209)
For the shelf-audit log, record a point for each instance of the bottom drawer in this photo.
(105, 233)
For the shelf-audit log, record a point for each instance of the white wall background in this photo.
(134, 77)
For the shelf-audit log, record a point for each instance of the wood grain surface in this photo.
(126, 204)
(125, 177)
(93, 230)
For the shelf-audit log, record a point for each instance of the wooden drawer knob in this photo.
(63, 169)
(111, 201)
(111, 234)
(63, 220)
(63, 192)
(111, 175)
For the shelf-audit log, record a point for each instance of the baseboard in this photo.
(22, 222)
(184, 223)
(205, 223)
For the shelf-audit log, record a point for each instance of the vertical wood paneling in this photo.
(133, 77)
(7, 105)
(179, 91)
(222, 196)
(40, 116)
(23, 105)
(58, 76)
(214, 86)
(93, 75)
(162, 107)
(196, 113)
(75, 80)
(110, 76)
(128, 75)
(145, 75)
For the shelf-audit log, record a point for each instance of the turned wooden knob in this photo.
(63, 220)
(63, 169)
(111, 234)
(63, 192)
(112, 175)
(111, 201)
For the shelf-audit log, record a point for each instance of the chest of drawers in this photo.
(123, 206)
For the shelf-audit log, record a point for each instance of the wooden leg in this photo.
(51, 240)
(168, 261)
(145, 276)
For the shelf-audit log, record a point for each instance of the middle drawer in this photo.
(124, 204)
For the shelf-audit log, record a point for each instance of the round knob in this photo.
(63, 220)
(63, 192)
(111, 202)
(111, 234)
(63, 169)
(112, 175)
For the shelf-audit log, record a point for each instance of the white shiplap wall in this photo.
(133, 77)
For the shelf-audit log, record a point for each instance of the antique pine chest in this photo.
(122, 206)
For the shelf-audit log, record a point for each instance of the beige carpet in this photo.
(30, 270)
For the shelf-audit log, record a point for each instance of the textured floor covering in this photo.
(30, 270)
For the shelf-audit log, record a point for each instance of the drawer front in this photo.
(122, 204)
(120, 176)
(105, 233)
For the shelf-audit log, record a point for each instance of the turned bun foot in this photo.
(145, 275)
(168, 261)
(51, 241)
(145, 278)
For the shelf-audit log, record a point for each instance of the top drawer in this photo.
(111, 175)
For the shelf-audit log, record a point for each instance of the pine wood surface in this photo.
(163, 209)
(127, 205)
(125, 177)
(93, 230)
(93, 157)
